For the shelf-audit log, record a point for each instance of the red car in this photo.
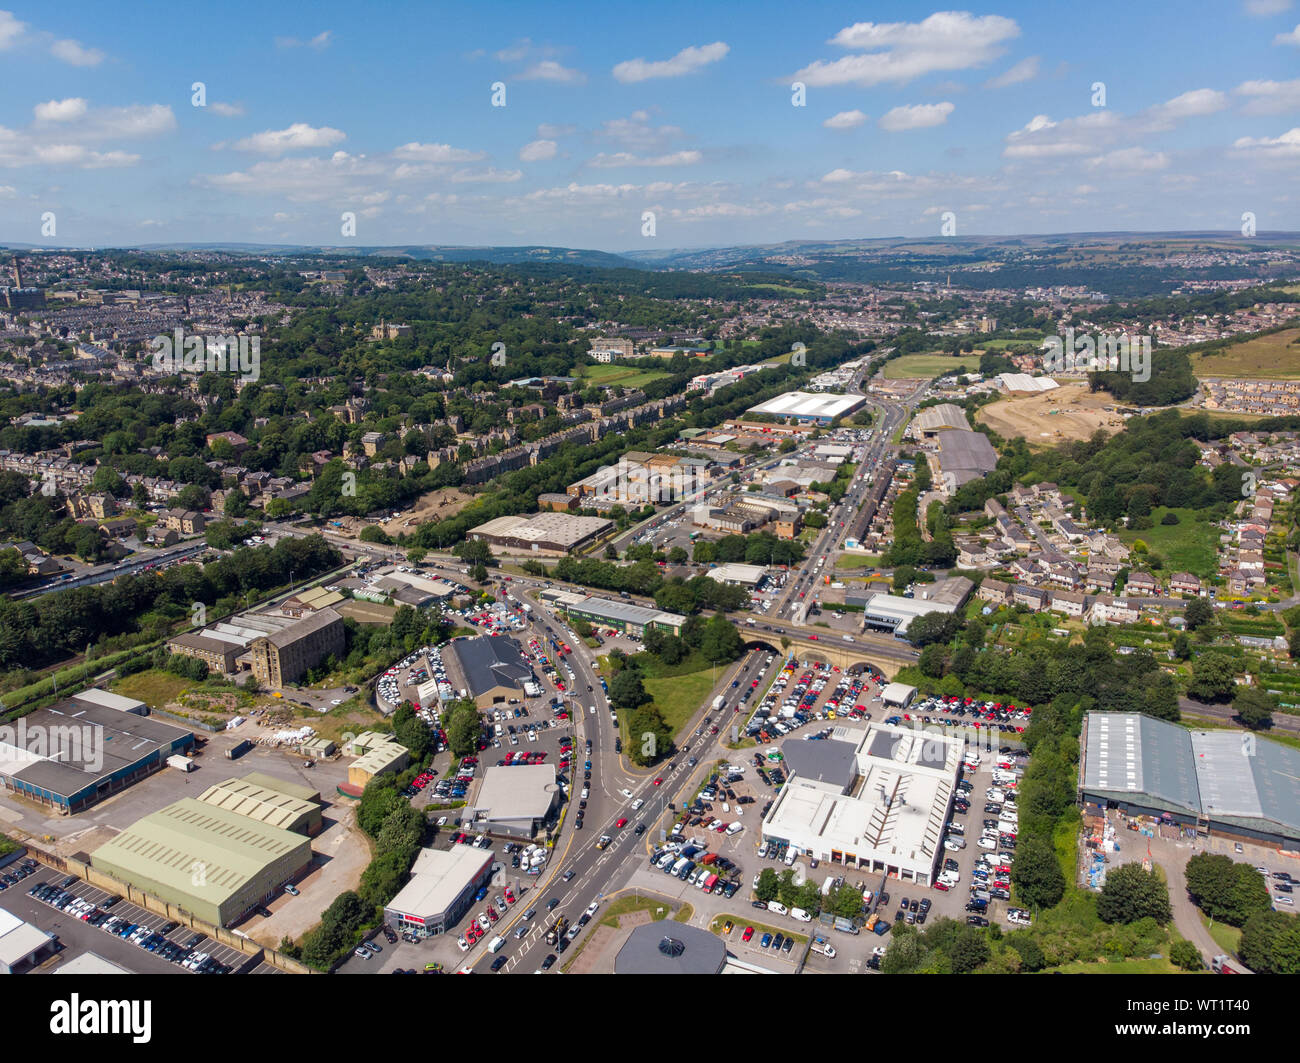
(659, 782)
(941, 886)
(623, 823)
(749, 933)
(813, 637)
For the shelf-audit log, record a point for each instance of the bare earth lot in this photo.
(1071, 412)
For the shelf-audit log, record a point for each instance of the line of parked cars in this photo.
(17, 872)
(59, 897)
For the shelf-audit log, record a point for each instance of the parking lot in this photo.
(161, 940)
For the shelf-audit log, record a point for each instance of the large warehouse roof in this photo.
(74, 744)
(558, 529)
(265, 805)
(807, 404)
(168, 846)
(613, 609)
(966, 452)
(945, 415)
(1228, 777)
(488, 662)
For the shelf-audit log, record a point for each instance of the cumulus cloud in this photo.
(60, 110)
(916, 116)
(1130, 160)
(626, 158)
(549, 131)
(687, 61)
(899, 52)
(296, 137)
(1289, 38)
(435, 153)
(1269, 97)
(75, 53)
(538, 151)
(10, 30)
(227, 110)
(1286, 146)
(1025, 70)
(1264, 8)
(550, 70)
(845, 120)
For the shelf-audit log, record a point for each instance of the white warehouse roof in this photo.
(806, 404)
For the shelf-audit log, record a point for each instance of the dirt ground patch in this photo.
(1070, 412)
(340, 854)
(432, 507)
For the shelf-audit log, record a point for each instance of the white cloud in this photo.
(1287, 146)
(1264, 8)
(517, 51)
(687, 61)
(1269, 97)
(296, 137)
(435, 153)
(10, 30)
(537, 151)
(320, 42)
(900, 52)
(60, 110)
(626, 158)
(1130, 160)
(74, 53)
(1192, 104)
(845, 120)
(1289, 38)
(550, 70)
(489, 176)
(1025, 70)
(638, 134)
(916, 116)
(228, 110)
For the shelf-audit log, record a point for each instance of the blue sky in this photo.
(684, 110)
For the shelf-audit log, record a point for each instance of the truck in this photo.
(180, 763)
(845, 926)
(237, 751)
(1223, 965)
(556, 930)
(824, 947)
(718, 702)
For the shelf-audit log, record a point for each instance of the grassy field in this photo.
(925, 366)
(629, 377)
(1226, 937)
(677, 697)
(657, 908)
(155, 688)
(1188, 546)
(858, 561)
(1274, 357)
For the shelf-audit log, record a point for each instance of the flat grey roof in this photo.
(670, 947)
(825, 760)
(524, 791)
(72, 744)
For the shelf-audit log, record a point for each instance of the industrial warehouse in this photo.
(77, 752)
(542, 533)
(876, 799)
(608, 612)
(441, 889)
(808, 408)
(490, 669)
(211, 861)
(1228, 785)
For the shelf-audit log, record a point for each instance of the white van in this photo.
(801, 915)
(636, 805)
(735, 828)
(496, 943)
(778, 907)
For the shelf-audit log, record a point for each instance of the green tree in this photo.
(1254, 707)
(1186, 955)
(769, 885)
(1132, 893)
(1213, 677)
(1226, 890)
(1198, 613)
(626, 691)
(1036, 873)
(1270, 943)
